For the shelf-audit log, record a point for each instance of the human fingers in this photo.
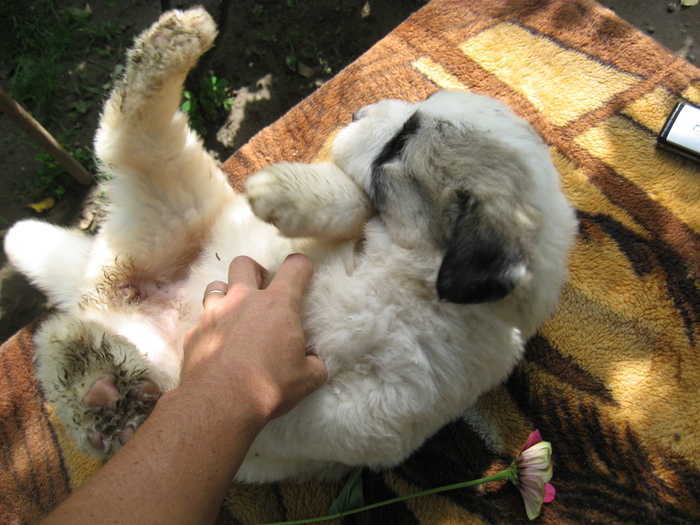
(294, 275)
(299, 384)
(246, 271)
(214, 292)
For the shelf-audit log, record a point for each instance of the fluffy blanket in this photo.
(613, 381)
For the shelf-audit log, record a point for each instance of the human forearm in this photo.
(244, 364)
(176, 469)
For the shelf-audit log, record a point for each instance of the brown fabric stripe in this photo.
(540, 351)
(647, 212)
(33, 476)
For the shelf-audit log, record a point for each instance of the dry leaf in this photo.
(306, 71)
(366, 10)
(42, 206)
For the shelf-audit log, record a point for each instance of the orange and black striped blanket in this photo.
(612, 381)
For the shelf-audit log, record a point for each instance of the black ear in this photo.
(482, 264)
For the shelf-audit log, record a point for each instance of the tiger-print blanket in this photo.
(613, 381)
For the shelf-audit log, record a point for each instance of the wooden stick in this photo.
(42, 137)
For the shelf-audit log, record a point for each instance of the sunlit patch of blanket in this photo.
(613, 381)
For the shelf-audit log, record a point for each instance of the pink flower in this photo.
(534, 471)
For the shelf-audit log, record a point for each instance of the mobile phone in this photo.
(681, 132)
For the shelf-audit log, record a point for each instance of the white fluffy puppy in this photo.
(439, 235)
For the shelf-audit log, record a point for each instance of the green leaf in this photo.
(351, 496)
(292, 62)
(689, 3)
(307, 53)
(186, 106)
(293, 39)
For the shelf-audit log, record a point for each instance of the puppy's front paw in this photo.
(309, 200)
(274, 199)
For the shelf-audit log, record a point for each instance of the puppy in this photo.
(438, 231)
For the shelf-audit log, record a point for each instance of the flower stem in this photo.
(504, 474)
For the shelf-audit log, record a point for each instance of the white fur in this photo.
(402, 363)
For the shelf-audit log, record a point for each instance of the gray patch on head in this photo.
(460, 190)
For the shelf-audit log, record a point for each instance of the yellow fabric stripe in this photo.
(303, 498)
(325, 151)
(79, 465)
(665, 177)
(615, 312)
(434, 508)
(652, 109)
(692, 93)
(585, 196)
(611, 340)
(437, 74)
(563, 84)
(497, 417)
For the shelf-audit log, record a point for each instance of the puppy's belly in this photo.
(154, 316)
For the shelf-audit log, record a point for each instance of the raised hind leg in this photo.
(165, 189)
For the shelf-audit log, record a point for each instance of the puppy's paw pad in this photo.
(177, 38)
(103, 443)
(102, 393)
(195, 22)
(199, 19)
(118, 408)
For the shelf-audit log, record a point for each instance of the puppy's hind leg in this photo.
(101, 386)
(141, 108)
(165, 189)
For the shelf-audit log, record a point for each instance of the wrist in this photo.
(212, 411)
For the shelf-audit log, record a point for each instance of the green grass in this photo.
(51, 179)
(207, 103)
(60, 62)
(42, 44)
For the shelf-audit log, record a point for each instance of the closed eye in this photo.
(395, 146)
(392, 151)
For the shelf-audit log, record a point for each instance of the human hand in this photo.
(249, 344)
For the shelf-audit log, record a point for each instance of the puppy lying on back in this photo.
(439, 235)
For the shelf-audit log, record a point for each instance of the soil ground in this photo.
(253, 56)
